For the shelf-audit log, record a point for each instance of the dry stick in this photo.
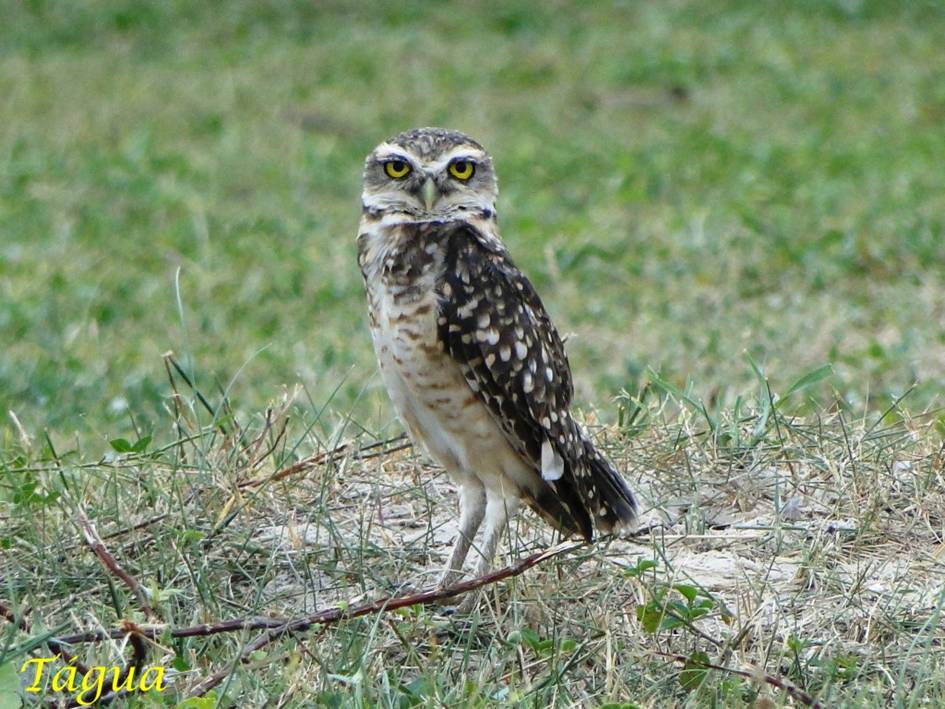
(329, 616)
(155, 631)
(277, 627)
(333, 615)
(781, 683)
(313, 460)
(140, 652)
(138, 658)
(384, 605)
(108, 561)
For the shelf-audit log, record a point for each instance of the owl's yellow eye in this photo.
(462, 169)
(397, 169)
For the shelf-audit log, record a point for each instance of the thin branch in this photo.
(136, 527)
(384, 605)
(329, 616)
(138, 659)
(781, 683)
(319, 458)
(108, 561)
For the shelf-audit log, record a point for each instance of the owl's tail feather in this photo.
(559, 503)
(590, 493)
(604, 493)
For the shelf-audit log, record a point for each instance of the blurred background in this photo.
(688, 184)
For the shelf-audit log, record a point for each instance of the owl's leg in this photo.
(472, 508)
(498, 510)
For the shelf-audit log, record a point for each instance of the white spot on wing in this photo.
(527, 383)
(552, 464)
(490, 335)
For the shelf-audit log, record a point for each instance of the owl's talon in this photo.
(469, 604)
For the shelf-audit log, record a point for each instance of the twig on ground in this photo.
(154, 631)
(781, 683)
(319, 458)
(331, 615)
(108, 561)
(138, 659)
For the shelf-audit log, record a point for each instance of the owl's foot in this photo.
(449, 577)
(456, 605)
(462, 612)
(469, 604)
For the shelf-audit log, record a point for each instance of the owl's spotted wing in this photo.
(492, 322)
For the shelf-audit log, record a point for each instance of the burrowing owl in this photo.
(472, 362)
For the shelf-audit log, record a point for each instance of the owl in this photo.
(473, 364)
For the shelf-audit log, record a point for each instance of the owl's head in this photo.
(429, 173)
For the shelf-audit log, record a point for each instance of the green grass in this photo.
(682, 184)
(700, 192)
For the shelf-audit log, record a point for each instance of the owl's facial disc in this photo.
(449, 183)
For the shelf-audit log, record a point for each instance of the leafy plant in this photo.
(665, 611)
(122, 445)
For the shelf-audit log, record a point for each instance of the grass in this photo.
(715, 202)
(809, 550)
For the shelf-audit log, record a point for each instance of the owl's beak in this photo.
(429, 193)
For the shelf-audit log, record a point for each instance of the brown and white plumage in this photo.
(474, 366)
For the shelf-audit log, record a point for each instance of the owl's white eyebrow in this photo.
(387, 151)
(386, 157)
(463, 152)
